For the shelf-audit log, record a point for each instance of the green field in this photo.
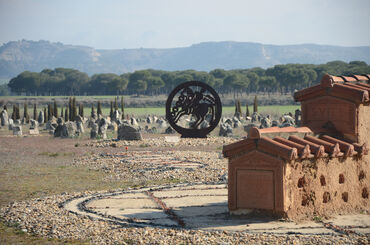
(226, 110)
(274, 110)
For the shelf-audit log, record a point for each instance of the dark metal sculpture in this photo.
(193, 109)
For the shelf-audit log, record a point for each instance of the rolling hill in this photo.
(18, 56)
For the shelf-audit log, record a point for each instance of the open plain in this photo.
(154, 191)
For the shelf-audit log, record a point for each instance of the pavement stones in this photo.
(201, 206)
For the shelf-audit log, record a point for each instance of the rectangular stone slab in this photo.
(175, 193)
(195, 201)
(122, 203)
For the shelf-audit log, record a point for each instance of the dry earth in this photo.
(38, 174)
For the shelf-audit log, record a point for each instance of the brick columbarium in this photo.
(319, 169)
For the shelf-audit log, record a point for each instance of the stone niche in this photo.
(321, 168)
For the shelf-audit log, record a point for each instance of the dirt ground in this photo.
(40, 166)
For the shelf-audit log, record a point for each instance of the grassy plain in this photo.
(161, 111)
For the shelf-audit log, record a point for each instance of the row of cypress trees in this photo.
(69, 113)
(238, 110)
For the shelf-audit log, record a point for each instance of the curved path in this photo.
(197, 207)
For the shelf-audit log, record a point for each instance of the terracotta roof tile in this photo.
(361, 149)
(256, 133)
(347, 148)
(318, 150)
(237, 147)
(360, 77)
(354, 88)
(294, 147)
(304, 151)
(331, 148)
(275, 148)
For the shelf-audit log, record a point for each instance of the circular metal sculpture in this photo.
(193, 109)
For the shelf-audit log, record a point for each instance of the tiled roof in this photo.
(294, 147)
(354, 88)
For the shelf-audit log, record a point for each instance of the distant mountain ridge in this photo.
(18, 56)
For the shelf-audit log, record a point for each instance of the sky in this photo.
(119, 24)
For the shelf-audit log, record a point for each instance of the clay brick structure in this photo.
(320, 168)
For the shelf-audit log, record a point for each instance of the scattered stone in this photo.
(10, 124)
(249, 126)
(102, 129)
(116, 116)
(80, 128)
(134, 122)
(172, 139)
(17, 130)
(265, 122)
(287, 121)
(127, 132)
(162, 123)
(69, 129)
(94, 130)
(169, 130)
(229, 121)
(51, 124)
(4, 118)
(237, 124)
(224, 177)
(34, 130)
(149, 120)
(225, 130)
(41, 117)
(275, 123)
(113, 126)
(255, 117)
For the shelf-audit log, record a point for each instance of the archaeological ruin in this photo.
(319, 169)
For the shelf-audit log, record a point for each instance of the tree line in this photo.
(280, 78)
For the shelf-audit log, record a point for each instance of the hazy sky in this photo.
(116, 24)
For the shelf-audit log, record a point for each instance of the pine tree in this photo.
(122, 109)
(255, 105)
(111, 110)
(99, 109)
(55, 107)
